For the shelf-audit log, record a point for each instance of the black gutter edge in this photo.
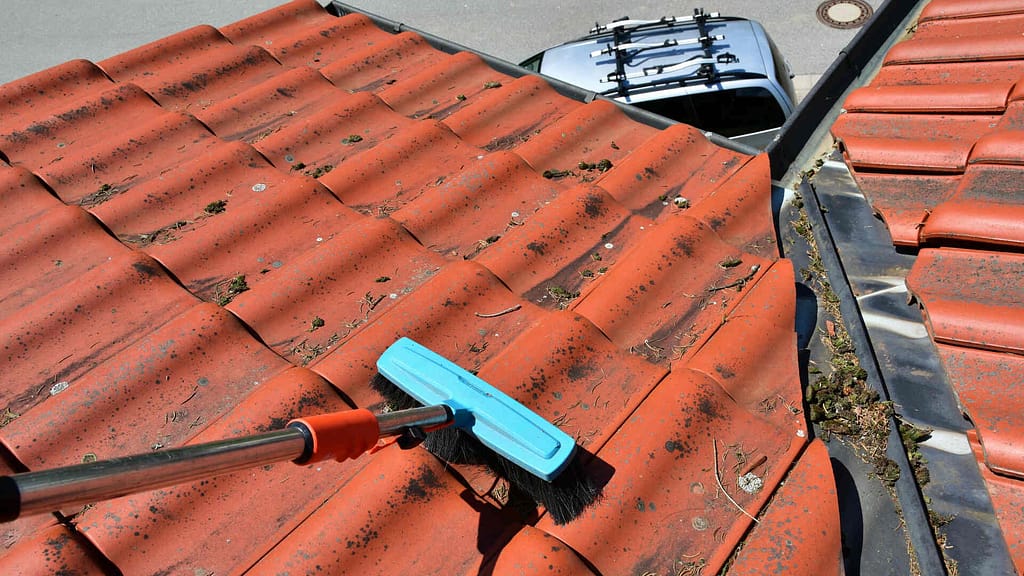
(845, 69)
(336, 8)
(912, 505)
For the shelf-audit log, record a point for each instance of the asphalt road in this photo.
(37, 35)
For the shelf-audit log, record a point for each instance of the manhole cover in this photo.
(844, 14)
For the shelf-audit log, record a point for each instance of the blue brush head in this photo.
(499, 422)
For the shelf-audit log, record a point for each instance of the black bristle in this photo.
(565, 498)
(394, 397)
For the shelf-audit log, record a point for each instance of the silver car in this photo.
(719, 74)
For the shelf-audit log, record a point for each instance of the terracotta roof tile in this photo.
(787, 540)
(55, 549)
(951, 9)
(230, 232)
(49, 92)
(938, 50)
(495, 119)
(192, 69)
(873, 142)
(1006, 494)
(978, 24)
(373, 66)
(988, 385)
(665, 484)
(258, 111)
(976, 98)
(435, 90)
(950, 73)
(200, 521)
(301, 33)
(968, 301)
(934, 144)
(197, 367)
(987, 207)
(535, 552)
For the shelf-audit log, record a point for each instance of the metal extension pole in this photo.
(341, 435)
(46, 490)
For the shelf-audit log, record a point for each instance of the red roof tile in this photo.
(171, 233)
(1007, 494)
(955, 10)
(935, 145)
(55, 549)
(788, 538)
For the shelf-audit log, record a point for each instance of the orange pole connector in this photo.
(341, 435)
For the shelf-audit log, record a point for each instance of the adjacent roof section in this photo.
(216, 232)
(935, 143)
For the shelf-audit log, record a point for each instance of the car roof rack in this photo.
(627, 25)
(623, 48)
(701, 76)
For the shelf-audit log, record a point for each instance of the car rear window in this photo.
(727, 112)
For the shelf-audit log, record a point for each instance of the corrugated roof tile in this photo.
(159, 391)
(588, 134)
(257, 112)
(986, 208)
(953, 9)
(888, 141)
(375, 65)
(533, 552)
(950, 73)
(643, 300)
(401, 168)
(1001, 147)
(939, 50)
(192, 69)
(394, 524)
(256, 213)
(950, 186)
(571, 235)
(671, 465)
(438, 90)
(381, 263)
(788, 538)
(340, 128)
(990, 386)
(677, 161)
(1005, 25)
(492, 194)
(48, 93)
(967, 299)
(495, 119)
(1006, 494)
(54, 550)
(60, 337)
(92, 150)
(974, 98)
(196, 526)
(302, 33)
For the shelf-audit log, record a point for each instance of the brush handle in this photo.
(339, 436)
(36, 492)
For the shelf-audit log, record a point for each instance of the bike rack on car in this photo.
(624, 50)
